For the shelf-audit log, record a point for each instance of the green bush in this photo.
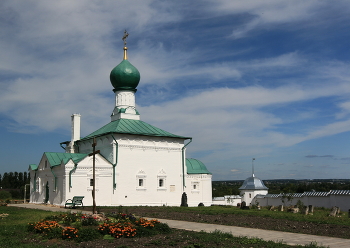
(151, 231)
(55, 217)
(50, 229)
(145, 232)
(70, 218)
(5, 195)
(69, 233)
(88, 234)
(162, 228)
(55, 233)
(300, 204)
(89, 221)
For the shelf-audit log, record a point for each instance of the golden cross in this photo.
(125, 36)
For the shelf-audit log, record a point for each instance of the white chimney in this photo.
(75, 131)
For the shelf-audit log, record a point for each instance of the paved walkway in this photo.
(286, 237)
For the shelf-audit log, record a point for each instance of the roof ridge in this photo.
(56, 158)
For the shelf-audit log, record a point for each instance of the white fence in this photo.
(339, 198)
(229, 200)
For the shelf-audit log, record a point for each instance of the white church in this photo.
(137, 163)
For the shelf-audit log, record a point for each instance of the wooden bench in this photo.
(73, 203)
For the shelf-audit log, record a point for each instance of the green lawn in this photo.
(13, 233)
(13, 228)
(320, 215)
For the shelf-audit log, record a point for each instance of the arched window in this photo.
(161, 177)
(37, 185)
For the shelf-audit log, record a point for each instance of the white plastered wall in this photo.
(148, 159)
(143, 157)
(198, 189)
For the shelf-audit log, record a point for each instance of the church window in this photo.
(37, 184)
(195, 186)
(141, 180)
(90, 182)
(161, 180)
(161, 183)
(250, 195)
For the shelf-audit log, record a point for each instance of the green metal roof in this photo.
(195, 166)
(56, 158)
(128, 126)
(33, 167)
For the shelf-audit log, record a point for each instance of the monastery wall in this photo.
(341, 201)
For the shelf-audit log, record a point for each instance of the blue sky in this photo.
(246, 79)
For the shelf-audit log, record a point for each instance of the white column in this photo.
(125, 106)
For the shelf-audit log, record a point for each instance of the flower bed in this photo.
(83, 227)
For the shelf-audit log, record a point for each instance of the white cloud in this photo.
(264, 14)
(345, 109)
(56, 57)
(236, 121)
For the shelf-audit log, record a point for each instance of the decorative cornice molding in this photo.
(144, 147)
(199, 176)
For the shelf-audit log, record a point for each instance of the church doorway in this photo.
(47, 194)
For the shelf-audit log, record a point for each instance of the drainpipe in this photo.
(64, 143)
(116, 160)
(54, 177)
(70, 175)
(183, 164)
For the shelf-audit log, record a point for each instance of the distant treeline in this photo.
(13, 182)
(221, 188)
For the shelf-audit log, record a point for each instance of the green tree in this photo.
(20, 180)
(5, 181)
(15, 180)
(26, 178)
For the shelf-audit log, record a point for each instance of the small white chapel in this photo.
(135, 163)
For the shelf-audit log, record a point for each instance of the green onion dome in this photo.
(125, 76)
